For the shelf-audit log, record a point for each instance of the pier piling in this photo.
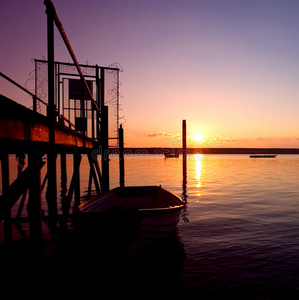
(184, 130)
(121, 157)
(34, 206)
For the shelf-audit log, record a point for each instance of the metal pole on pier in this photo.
(104, 135)
(51, 195)
(105, 147)
(98, 101)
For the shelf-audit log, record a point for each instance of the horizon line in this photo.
(206, 150)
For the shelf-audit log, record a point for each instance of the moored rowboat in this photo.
(150, 212)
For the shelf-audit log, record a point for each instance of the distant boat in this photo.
(171, 155)
(150, 212)
(262, 155)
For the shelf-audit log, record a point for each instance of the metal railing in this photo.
(34, 97)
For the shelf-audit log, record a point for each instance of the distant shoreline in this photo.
(160, 150)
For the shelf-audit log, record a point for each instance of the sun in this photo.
(197, 137)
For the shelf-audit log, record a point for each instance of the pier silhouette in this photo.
(74, 111)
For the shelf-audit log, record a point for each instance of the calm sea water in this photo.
(239, 234)
(240, 231)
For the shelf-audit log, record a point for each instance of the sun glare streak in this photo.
(198, 158)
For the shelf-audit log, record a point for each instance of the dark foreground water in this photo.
(238, 237)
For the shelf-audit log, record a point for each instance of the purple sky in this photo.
(229, 67)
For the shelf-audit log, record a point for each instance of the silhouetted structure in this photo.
(69, 115)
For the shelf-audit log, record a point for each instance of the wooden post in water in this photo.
(184, 129)
(121, 157)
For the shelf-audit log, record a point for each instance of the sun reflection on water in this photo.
(198, 167)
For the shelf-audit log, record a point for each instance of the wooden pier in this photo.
(72, 118)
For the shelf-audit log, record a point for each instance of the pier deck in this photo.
(24, 129)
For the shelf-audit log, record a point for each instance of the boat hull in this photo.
(262, 155)
(153, 228)
(137, 227)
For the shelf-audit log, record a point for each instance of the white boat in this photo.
(144, 213)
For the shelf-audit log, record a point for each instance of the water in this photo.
(239, 235)
(240, 232)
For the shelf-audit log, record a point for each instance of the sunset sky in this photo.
(230, 68)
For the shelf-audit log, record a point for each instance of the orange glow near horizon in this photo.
(173, 139)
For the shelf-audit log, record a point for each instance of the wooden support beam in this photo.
(73, 186)
(21, 206)
(34, 206)
(18, 219)
(89, 184)
(93, 173)
(17, 188)
(44, 181)
(98, 170)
